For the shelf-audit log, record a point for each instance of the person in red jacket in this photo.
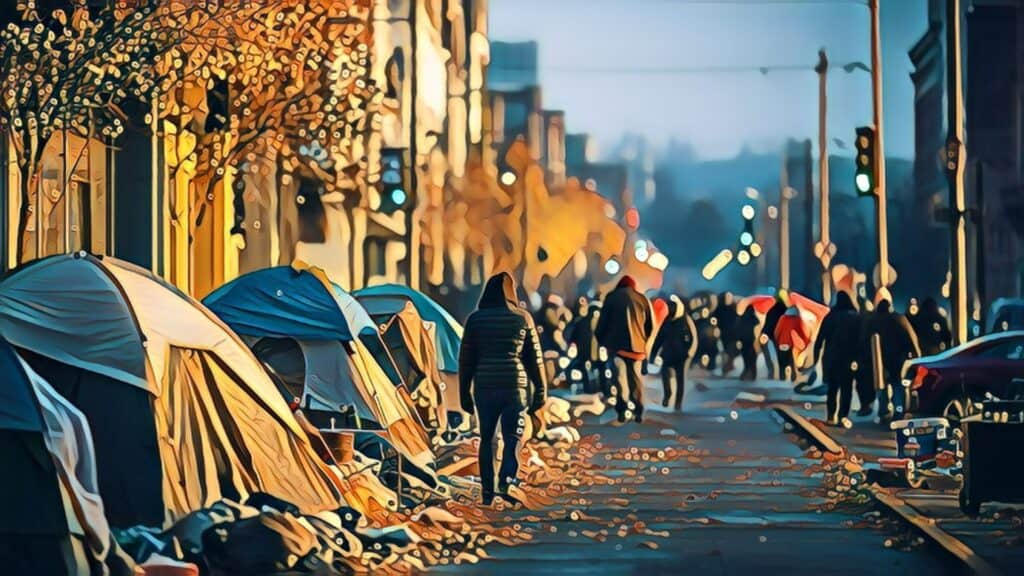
(624, 329)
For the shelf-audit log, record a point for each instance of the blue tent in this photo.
(280, 302)
(389, 299)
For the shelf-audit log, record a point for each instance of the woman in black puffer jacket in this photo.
(501, 374)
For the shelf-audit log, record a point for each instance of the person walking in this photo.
(767, 337)
(676, 342)
(931, 328)
(725, 319)
(839, 338)
(624, 329)
(898, 344)
(747, 327)
(501, 375)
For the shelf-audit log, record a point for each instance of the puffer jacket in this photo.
(501, 352)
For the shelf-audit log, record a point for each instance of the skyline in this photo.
(725, 97)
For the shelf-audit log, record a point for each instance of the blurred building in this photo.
(993, 62)
(994, 89)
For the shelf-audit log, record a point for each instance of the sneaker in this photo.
(832, 422)
(846, 423)
(664, 402)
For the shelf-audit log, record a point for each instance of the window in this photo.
(1012, 349)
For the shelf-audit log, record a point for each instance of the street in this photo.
(737, 499)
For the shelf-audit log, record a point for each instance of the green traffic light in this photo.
(863, 182)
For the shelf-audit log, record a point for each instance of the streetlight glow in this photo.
(612, 267)
(755, 250)
(658, 261)
(746, 238)
(748, 212)
(743, 257)
(508, 178)
(717, 264)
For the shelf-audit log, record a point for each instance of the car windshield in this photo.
(982, 345)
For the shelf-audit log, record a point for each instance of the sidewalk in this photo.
(996, 535)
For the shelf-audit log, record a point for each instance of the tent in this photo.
(411, 342)
(51, 514)
(326, 349)
(181, 412)
(389, 299)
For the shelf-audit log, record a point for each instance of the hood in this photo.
(844, 302)
(627, 281)
(500, 292)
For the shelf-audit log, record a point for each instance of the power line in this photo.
(686, 70)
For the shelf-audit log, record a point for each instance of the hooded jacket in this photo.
(626, 321)
(932, 328)
(500, 350)
(839, 335)
(676, 340)
(899, 342)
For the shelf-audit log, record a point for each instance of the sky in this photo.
(591, 52)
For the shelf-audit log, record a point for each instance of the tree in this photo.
(294, 77)
(76, 71)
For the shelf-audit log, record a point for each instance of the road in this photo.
(736, 499)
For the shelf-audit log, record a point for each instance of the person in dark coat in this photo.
(839, 336)
(725, 319)
(581, 333)
(624, 329)
(771, 321)
(676, 342)
(898, 344)
(501, 375)
(747, 327)
(931, 328)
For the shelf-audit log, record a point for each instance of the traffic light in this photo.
(394, 192)
(864, 177)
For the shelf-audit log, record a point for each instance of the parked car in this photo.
(950, 384)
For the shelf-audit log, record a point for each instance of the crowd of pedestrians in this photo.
(509, 355)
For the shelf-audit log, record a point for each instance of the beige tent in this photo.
(181, 412)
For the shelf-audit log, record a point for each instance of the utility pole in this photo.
(881, 213)
(955, 172)
(824, 250)
(412, 228)
(784, 196)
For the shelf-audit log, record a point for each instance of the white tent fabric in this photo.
(358, 319)
(168, 319)
(69, 441)
(85, 323)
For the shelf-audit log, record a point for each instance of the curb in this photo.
(804, 427)
(927, 526)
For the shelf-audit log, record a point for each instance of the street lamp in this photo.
(508, 178)
(748, 212)
(612, 266)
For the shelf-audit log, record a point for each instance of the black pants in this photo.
(630, 388)
(786, 363)
(674, 373)
(840, 393)
(865, 382)
(507, 408)
(749, 354)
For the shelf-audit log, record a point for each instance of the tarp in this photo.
(280, 302)
(62, 498)
(206, 421)
(411, 341)
(391, 298)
